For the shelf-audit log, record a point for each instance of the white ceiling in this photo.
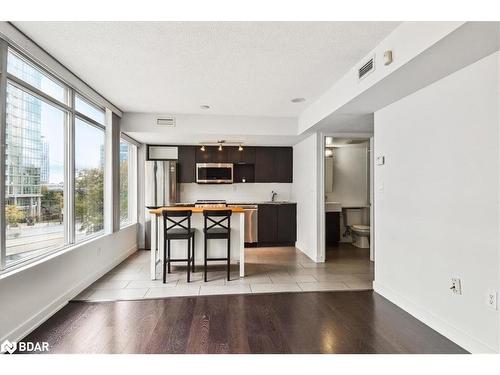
(238, 68)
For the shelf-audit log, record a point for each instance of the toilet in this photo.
(356, 219)
(360, 235)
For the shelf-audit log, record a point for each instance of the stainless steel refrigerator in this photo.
(161, 189)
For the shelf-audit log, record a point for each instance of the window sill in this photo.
(33, 262)
(126, 225)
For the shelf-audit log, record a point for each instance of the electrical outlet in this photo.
(456, 285)
(491, 300)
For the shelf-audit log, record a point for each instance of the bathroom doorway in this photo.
(348, 210)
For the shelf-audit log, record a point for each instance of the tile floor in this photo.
(269, 270)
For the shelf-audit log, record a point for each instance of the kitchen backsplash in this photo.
(251, 192)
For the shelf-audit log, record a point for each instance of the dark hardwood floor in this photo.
(316, 322)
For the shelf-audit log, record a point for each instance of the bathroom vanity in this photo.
(332, 223)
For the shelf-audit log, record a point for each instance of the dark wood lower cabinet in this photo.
(277, 224)
(332, 228)
(287, 223)
(267, 224)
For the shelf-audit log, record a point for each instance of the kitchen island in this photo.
(216, 248)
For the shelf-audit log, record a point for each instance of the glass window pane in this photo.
(23, 70)
(89, 180)
(124, 183)
(34, 177)
(89, 110)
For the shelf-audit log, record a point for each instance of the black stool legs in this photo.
(217, 226)
(178, 227)
(229, 256)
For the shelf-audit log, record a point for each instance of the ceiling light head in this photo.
(298, 100)
(204, 107)
(240, 148)
(202, 148)
(220, 146)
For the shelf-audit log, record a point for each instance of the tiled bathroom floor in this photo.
(269, 270)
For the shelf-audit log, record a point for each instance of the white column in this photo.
(242, 245)
(153, 246)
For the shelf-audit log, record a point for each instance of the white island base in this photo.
(216, 248)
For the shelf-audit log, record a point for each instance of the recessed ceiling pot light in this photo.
(205, 107)
(298, 100)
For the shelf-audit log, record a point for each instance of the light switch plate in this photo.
(380, 160)
(491, 300)
(456, 285)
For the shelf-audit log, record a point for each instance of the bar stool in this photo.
(216, 228)
(176, 229)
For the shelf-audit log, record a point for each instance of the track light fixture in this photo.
(240, 148)
(220, 146)
(202, 148)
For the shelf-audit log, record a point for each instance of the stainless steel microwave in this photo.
(214, 173)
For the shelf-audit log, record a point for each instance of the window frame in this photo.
(68, 91)
(67, 116)
(73, 217)
(71, 114)
(132, 183)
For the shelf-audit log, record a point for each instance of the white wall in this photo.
(407, 41)
(193, 129)
(305, 192)
(236, 193)
(349, 169)
(436, 202)
(31, 295)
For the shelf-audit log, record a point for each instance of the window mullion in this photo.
(3, 125)
(69, 193)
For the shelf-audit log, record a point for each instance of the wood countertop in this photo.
(194, 210)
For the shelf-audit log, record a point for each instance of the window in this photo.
(88, 109)
(34, 176)
(20, 68)
(54, 142)
(89, 180)
(128, 165)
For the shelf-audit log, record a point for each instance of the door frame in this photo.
(321, 255)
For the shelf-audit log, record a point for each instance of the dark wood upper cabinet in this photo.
(264, 164)
(284, 164)
(253, 164)
(187, 164)
(212, 155)
(245, 156)
(273, 164)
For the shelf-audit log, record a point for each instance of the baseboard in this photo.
(24, 329)
(303, 252)
(455, 334)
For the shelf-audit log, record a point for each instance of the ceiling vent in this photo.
(165, 121)
(366, 68)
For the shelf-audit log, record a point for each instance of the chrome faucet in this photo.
(273, 195)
